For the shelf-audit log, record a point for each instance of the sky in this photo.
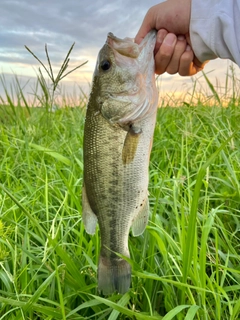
(60, 23)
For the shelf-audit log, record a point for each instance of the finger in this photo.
(198, 64)
(195, 69)
(189, 64)
(159, 40)
(147, 25)
(165, 52)
(187, 35)
(179, 49)
(186, 66)
(144, 29)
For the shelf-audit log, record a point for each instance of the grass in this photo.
(185, 265)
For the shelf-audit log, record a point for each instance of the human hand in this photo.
(173, 51)
(173, 55)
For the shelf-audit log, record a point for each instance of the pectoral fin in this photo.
(130, 145)
(88, 216)
(141, 220)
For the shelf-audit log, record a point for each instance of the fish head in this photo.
(124, 79)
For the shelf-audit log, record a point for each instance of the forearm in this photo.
(215, 29)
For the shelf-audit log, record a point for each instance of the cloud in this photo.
(59, 23)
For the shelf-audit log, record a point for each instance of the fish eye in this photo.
(105, 65)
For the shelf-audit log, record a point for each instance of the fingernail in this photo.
(170, 39)
(160, 38)
(188, 48)
(181, 37)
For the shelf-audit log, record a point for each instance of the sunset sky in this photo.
(59, 23)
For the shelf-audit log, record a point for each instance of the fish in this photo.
(118, 133)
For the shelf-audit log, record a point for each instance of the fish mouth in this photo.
(125, 47)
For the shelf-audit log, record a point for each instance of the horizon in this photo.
(87, 25)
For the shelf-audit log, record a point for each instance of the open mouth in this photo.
(125, 47)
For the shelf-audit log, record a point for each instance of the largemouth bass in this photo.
(118, 133)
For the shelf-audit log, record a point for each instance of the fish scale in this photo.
(116, 156)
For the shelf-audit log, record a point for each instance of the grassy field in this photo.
(186, 265)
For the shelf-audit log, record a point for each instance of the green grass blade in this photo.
(28, 214)
(188, 251)
(211, 86)
(123, 310)
(38, 292)
(171, 314)
(192, 313)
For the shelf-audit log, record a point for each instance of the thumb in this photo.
(147, 25)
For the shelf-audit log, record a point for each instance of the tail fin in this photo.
(113, 275)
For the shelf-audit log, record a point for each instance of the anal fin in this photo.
(140, 222)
